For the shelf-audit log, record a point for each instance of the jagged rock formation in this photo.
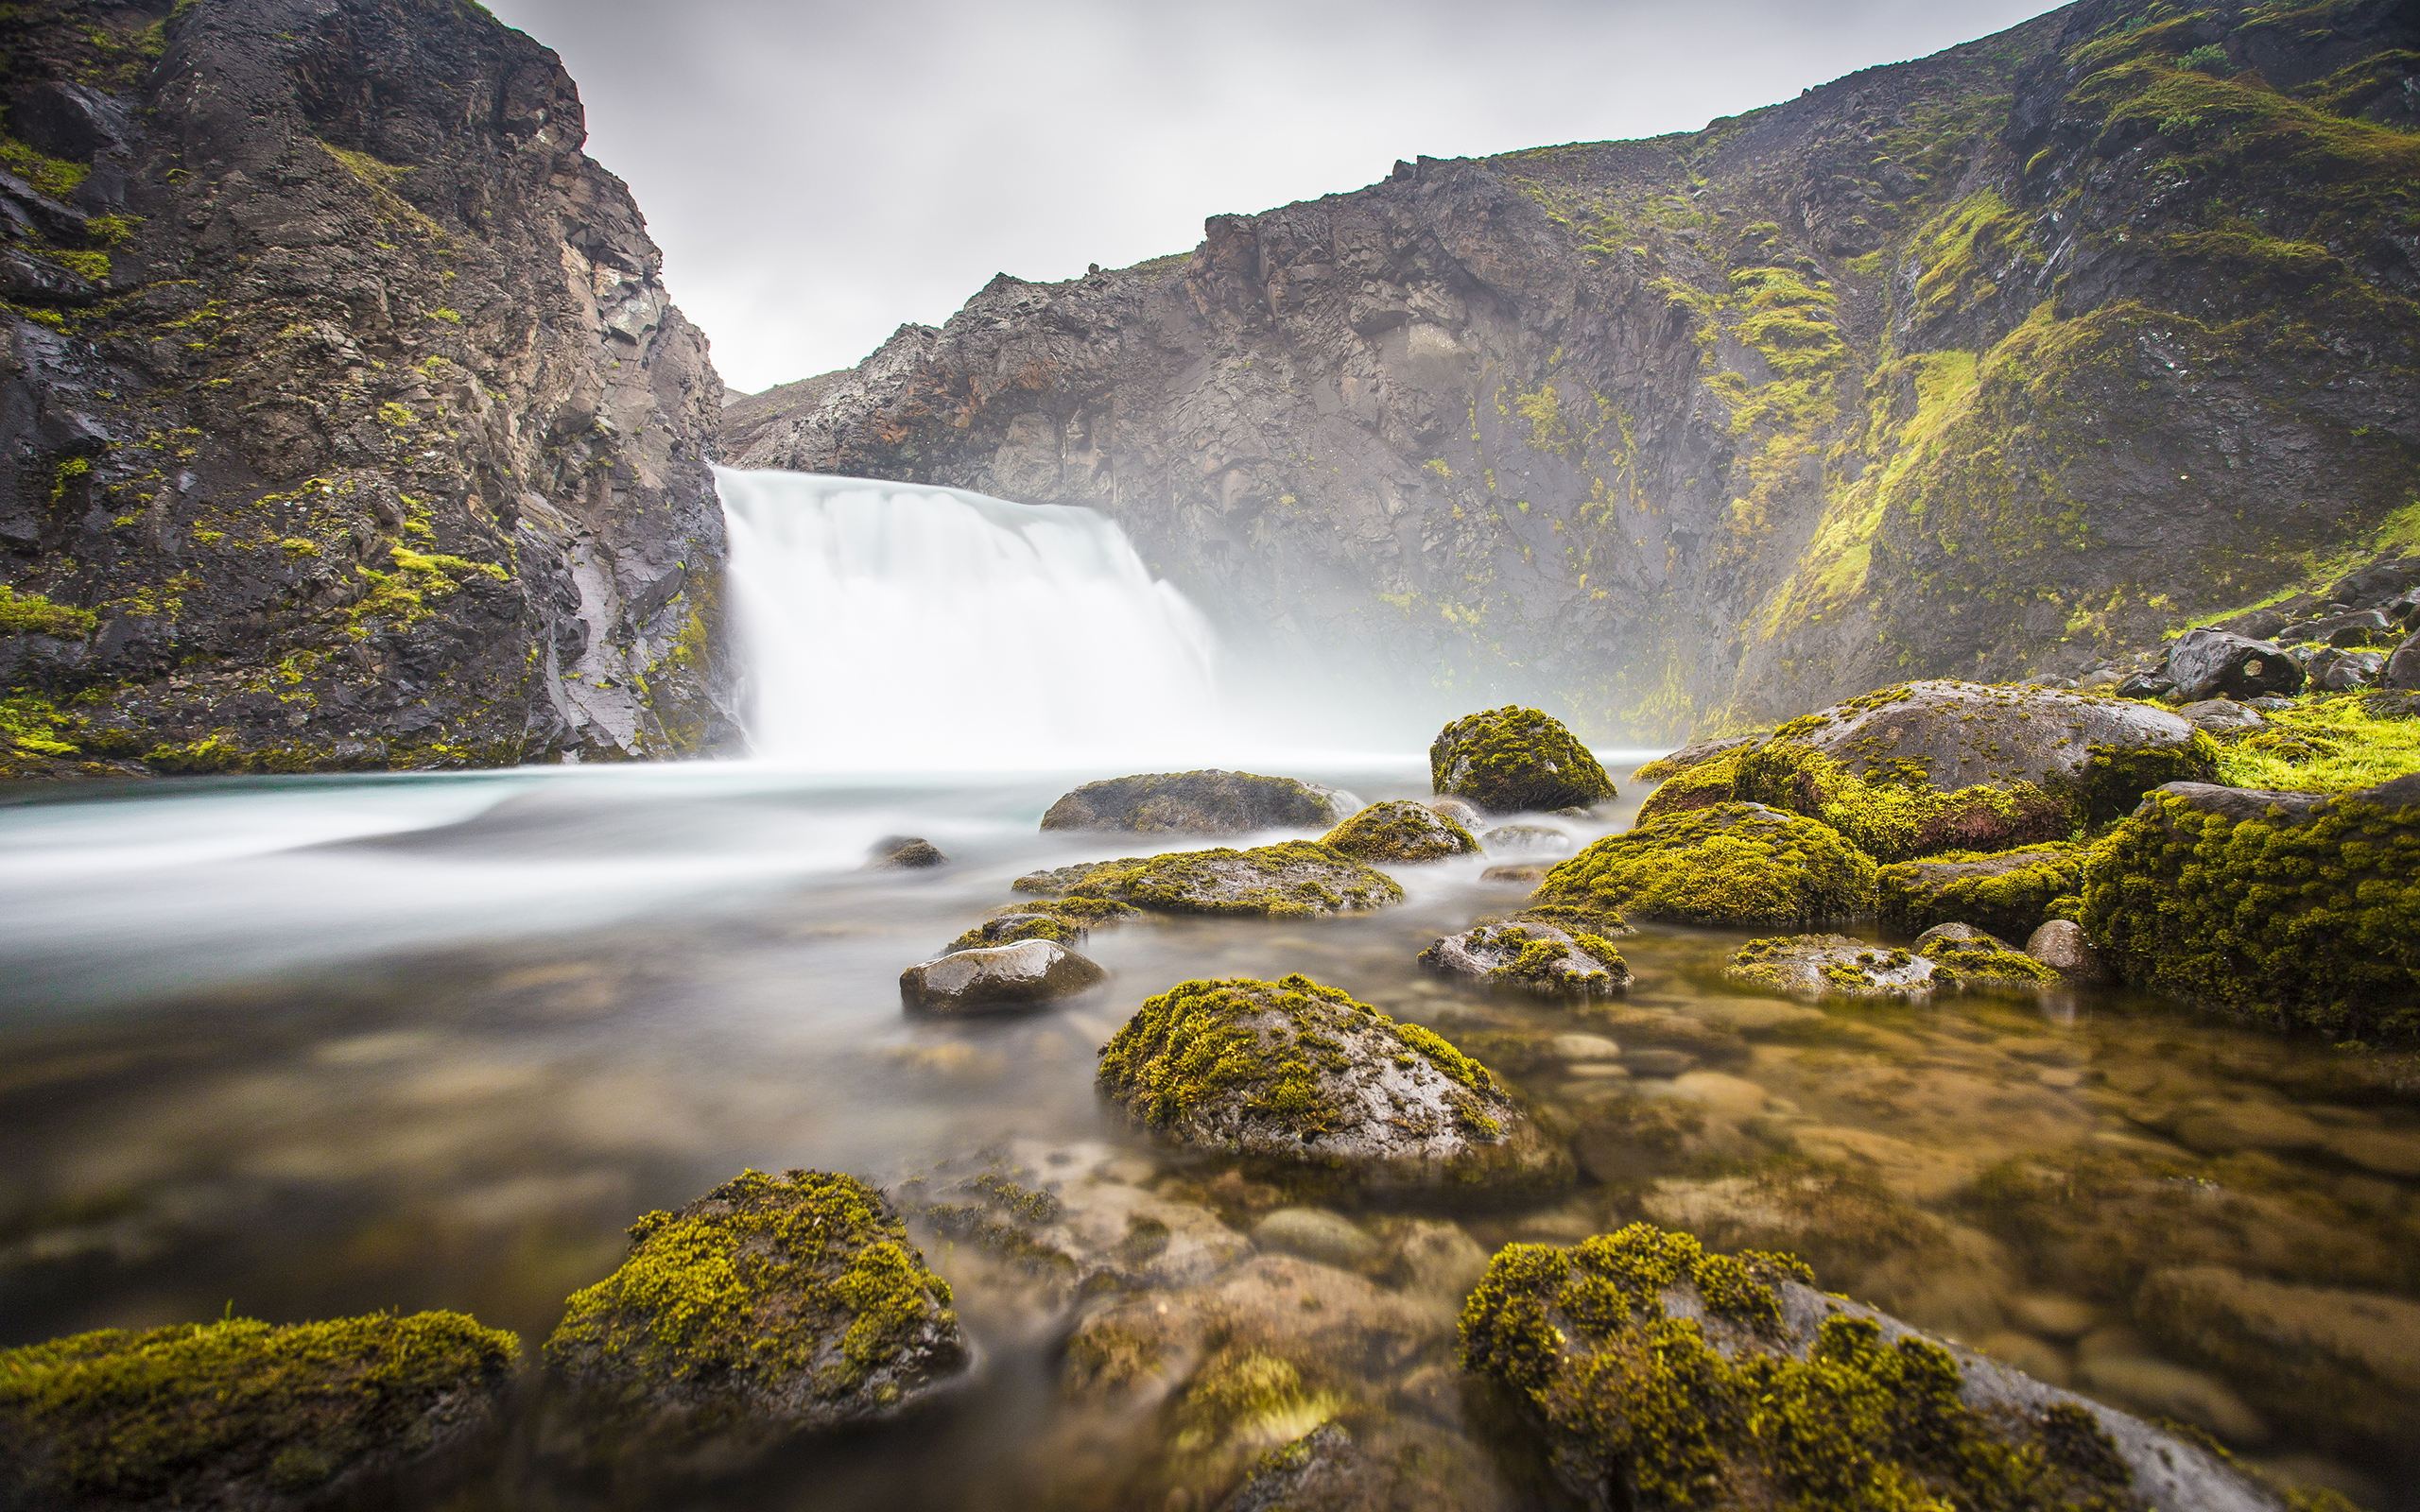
(344, 416)
(2000, 361)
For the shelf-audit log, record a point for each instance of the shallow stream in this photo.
(307, 1047)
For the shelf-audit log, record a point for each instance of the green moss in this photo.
(1700, 787)
(2114, 780)
(1399, 830)
(1512, 758)
(766, 1289)
(55, 177)
(2323, 745)
(1893, 811)
(2309, 921)
(32, 614)
(1735, 863)
(1298, 879)
(1010, 927)
(1634, 1399)
(174, 1415)
(1983, 960)
(2010, 893)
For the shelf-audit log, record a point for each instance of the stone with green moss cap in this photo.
(240, 1415)
(1202, 802)
(1302, 1073)
(2007, 892)
(1735, 863)
(1296, 880)
(1663, 1377)
(1533, 955)
(1399, 830)
(770, 1306)
(1509, 759)
(2294, 909)
(1945, 958)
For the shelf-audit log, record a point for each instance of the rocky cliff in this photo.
(1997, 362)
(344, 417)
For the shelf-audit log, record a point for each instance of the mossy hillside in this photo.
(770, 1304)
(1399, 830)
(32, 614)
(2323, 743)
(1298, 879)
(1302, 1071)
(1733, 864)
(2289, 910)
(179, 1416)
(1510, 759)
(2010, 893)
(1675, 1377)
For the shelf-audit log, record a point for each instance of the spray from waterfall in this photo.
(893, 627)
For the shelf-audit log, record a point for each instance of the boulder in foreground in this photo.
(1297, 880)
(1301, 1072)
(1665, 1377)
(1399, 830)
(241, 1414)
(1735, 864)
(770, 1306)
(1510, 759)
(993, 978)
(1203, 803)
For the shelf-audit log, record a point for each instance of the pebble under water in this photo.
(309, 1047)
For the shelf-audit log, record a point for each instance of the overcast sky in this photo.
(819, 173)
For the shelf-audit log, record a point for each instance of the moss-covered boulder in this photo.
(1815, 965)
(1663, 1377)
(1297, 880)
(1735, 864)
(1203, 803)
(1509, 759)
(1301, 1072)
(2290, 909)
(1061, 920)
(1533, 956)
(769, 1306)
(1399, 830)
(2009, 892)
(1933, 767)
(241, 1414)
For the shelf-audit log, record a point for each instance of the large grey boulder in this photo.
(1203, 803)
(994, 977)
(2206, 663)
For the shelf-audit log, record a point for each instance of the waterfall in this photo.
(893, 627)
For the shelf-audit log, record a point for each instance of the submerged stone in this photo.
(1735, 864)
(1510, 759)
(1302, 1071)
(1296, 880)
(241, 1414)
(1944, 958)
(993, 978)
(770, 1306)
(1399, 830)
(1533, 955)
(2009, 892)
(1202, 802)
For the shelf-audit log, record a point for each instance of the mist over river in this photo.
(308, 1047)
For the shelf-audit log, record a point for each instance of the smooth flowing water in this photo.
(311, 1047)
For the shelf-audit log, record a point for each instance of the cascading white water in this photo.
(893, 627)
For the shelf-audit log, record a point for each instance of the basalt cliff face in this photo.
(344, 418)
(1995, 363)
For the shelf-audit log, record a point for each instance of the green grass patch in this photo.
(2331, 744)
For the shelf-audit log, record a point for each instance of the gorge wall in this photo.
(1995, 363)
(344, 417)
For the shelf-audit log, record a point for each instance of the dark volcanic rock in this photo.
(992, 978)
(2403, 668)
(2212, 663)
(1205, 802)
(376, 441)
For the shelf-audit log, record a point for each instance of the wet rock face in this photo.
(1399, 830)
(1735, 864)
(1298, 880)
(770, 1306)
(370, 437)
(1303, 1072)
(997, 978)
(1533, 956)
(1510, 759)
(1203, 803)
(242, 1414)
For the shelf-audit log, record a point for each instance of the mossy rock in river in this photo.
(1509, 759)
(1735, 864)
(1297, 880)
(241, 1414)
(1663, 1377)
(1399, 830)
(2009, 892)
(769, 1306)
(1533, 956)
(2292, 909)
(1948, 957)
(1062, 921)
(1301, 1072)
(1203, 803)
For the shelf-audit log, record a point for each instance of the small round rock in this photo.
(998, 977)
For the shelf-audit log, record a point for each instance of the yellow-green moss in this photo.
(1199, 881)
(1735, 863)
(2323, 745)
(1983, 960)
(2010, 893)
(32, 614)
(1893, 811)
(1399, 830)
(1510, 759)
(1699, 786)
(173, 1415)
